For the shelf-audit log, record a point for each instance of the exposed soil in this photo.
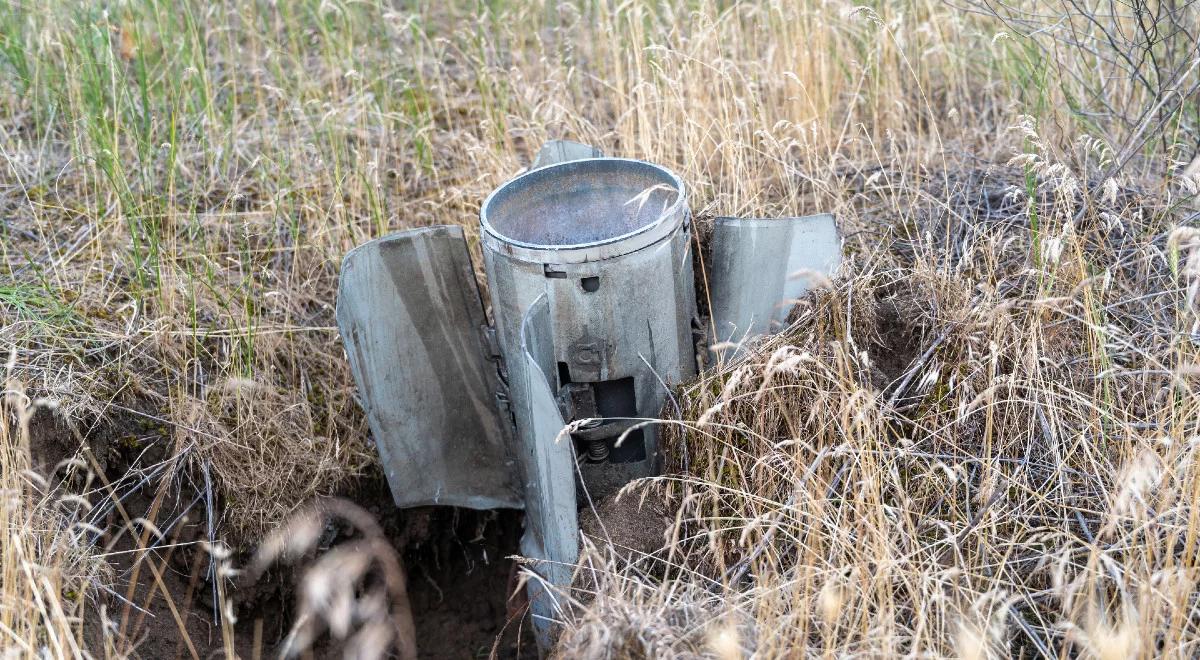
(457, 561)
(899, 343)
(634, 525)
(459, 576)
(459, 599)
(132, 478)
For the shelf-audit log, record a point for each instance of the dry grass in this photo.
(338, 593)
(951, 453)
(49, 570)
(979, 438)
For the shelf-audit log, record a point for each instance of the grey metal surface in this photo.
(757, 267)
(551, 522)
(613, 312)
(410, 315)
(583, 210)
(560, 151)
(636, 324)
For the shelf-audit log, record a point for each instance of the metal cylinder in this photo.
(607, 241)
(590, 274)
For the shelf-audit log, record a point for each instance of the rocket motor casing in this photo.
(631, 334)
(590, 277)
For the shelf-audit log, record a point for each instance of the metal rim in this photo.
(668, 221)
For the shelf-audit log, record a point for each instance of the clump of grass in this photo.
(48, 572)
(979, 452)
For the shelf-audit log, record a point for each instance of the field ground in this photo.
(976, 440)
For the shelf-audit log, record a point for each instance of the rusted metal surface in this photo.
(413, 326)
(759, 268)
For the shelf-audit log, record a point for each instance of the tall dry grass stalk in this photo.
(356, 592)
(48, 573)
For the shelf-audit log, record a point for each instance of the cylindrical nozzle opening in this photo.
(584, 203)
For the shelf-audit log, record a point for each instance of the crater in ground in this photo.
(161, 600)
